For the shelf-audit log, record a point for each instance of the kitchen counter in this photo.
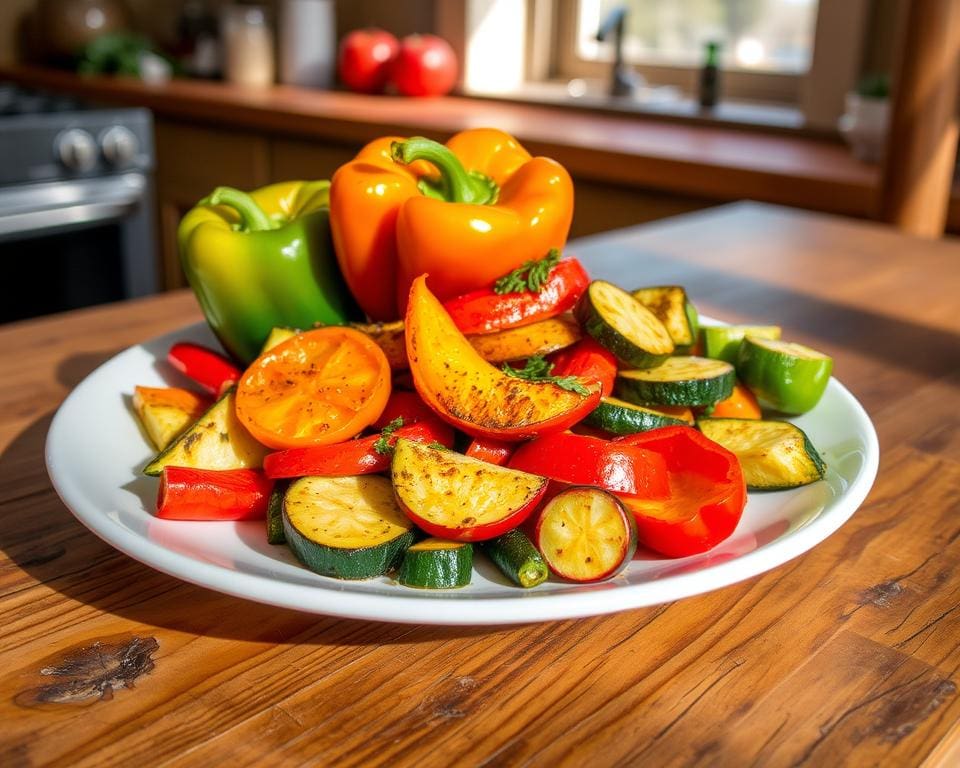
(847, 654)
(715, 162)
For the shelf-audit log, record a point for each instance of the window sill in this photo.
(663, 103)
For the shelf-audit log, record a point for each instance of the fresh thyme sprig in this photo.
(538, 369)
(529, 276)
(382, 443)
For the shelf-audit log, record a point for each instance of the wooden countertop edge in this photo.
(705, 161)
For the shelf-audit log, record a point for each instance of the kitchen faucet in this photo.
(623, 81)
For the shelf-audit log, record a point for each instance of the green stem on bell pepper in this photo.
(456, 184)
(252, 217)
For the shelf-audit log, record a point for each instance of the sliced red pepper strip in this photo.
(209, 369)
(491, 451)
(406, 405)
(484, 311)
(353, 457)
(209, 494)
(707, 497)
(583, 460)
(589, 361)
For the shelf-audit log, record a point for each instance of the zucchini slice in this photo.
(585, 534)
(622, 418)
(217, 440)
(774, 455)
(437, 564)
(516, 557)
(722, 342)
(345, 527)
(672, 307)
(679, 381)
(789, 377)
(623, 325)
(275, 533)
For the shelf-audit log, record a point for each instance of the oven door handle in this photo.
(81, 215)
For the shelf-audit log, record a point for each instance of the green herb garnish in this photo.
(437, 446)
(529, 276)
(538, 369)
(382, 444)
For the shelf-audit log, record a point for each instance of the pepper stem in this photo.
(252, 217)
(457, 185)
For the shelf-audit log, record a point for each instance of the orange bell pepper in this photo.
(466, 213)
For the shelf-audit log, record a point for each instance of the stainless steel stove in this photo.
(76, 204)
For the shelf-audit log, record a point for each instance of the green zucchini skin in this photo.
(343, 562)
(775, 455)
(349, 564)
(722, 342)
(622, 418)
(640, 388)
(275, 533)
(788, 377)
(592, 319)
(517, 558)
(437, 568)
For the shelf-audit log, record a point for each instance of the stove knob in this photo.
(119, 146)
(77, 150)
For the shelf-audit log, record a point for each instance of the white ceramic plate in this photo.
(95, 451)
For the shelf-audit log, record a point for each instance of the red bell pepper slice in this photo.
(589, 361)
(491, 451)
(707, 497)
(353, 457)
(406, 405)
(484, 311)
(582, 460)
(209, 369)
(211, 494)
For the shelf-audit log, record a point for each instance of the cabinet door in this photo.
(298, 159)
(192, 161)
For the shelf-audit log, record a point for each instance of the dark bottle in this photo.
(710, 76)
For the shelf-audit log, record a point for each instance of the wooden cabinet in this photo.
(192, 160)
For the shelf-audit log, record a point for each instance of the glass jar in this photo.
(247, 46)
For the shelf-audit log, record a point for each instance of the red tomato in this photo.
(425, 66)
(365, 59)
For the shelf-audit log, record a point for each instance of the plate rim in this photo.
(322, 599)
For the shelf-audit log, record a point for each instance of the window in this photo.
(784, 62)
(757, 35)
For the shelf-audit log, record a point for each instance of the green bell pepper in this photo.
(263, 259)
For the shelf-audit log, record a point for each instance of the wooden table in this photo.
(848, 654)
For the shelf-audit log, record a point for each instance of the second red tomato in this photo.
(425, 66)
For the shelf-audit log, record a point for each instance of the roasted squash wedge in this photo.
(165, 412)
(470, 393)
(540, 338)
(455, 497)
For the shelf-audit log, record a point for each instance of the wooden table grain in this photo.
(848, 654)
